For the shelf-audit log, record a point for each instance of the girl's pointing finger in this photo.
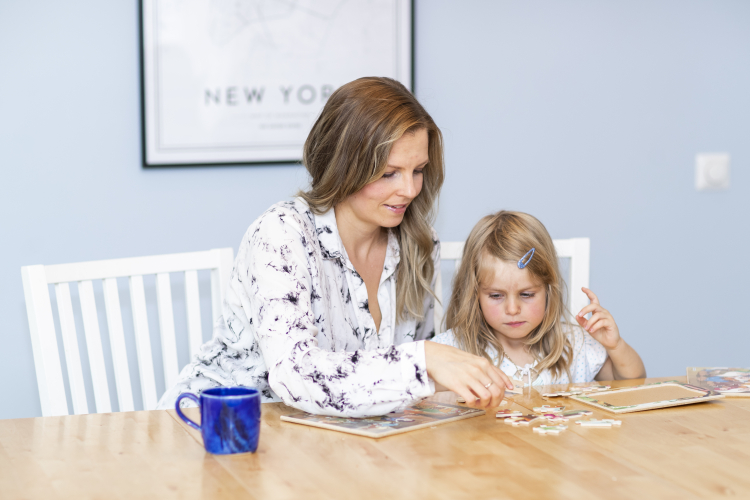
(591, 295)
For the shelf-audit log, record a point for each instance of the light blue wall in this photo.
(587, 114)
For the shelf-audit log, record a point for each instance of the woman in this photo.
(330, 298)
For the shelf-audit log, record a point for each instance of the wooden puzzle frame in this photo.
(647, 397)
(417, 416)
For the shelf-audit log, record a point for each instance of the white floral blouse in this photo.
(588, 358)
(296, 324)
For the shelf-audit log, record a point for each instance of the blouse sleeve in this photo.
(275, 276)
(588, 358)
(426, 327)
(446, 338)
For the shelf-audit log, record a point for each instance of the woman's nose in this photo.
(408, 189)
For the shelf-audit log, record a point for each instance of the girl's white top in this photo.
(588, 358)
(296, 324)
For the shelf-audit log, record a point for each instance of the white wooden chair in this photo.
(578, 250)
(44, 340)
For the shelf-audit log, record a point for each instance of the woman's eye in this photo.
(388, 175)
(418, 172)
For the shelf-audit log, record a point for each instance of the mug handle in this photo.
(193, 398)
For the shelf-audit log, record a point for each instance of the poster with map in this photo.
(242, 81)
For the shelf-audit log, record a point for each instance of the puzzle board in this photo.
(647, 397)
(731, 382)
(416, 416)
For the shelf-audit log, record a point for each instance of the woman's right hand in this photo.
(466, 374)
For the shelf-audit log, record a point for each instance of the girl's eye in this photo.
(527, 295)
(496, 296)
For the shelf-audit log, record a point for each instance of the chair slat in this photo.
(70, 344)
(117, 344)
(193, 306)
(132, 266)
(143, 343)
(44, 342)
(451, 250)
(579, 273)
(94, 347)
(220, 277)
(166, 327)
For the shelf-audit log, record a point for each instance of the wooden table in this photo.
(699, 451)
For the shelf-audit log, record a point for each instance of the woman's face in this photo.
(383, 202)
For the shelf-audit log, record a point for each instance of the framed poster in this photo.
(242, 81)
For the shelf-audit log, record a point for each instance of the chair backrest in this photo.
(36, 281)
(578, 250)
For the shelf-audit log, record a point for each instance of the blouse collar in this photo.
(332, 247)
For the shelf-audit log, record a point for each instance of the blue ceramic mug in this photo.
(230, 419)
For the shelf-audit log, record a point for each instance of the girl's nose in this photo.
(512, 307)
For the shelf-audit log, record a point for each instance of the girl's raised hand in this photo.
(601, 325)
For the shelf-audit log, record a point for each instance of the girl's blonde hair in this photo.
(508, 236)
(348, 148)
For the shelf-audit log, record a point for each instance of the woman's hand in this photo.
(601, 325)
(479, 382)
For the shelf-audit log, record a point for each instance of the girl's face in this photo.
(383, 202)
(513, 302)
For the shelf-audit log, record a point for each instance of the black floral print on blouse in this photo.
(296, 324)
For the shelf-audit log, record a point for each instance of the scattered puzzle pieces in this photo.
(549, 409)
(508, 414)
(462, 400)
(525, 420)
(561, 394)
(576, 413)
(553, 417)
(575, 391)
(550, 429)
(607, 422)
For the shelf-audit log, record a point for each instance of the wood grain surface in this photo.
(698, 451)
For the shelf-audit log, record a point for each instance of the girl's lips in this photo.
(515, 324)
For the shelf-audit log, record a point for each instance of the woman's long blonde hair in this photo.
(508, 236)
(348, 148)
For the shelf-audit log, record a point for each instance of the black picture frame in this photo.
(404, 36)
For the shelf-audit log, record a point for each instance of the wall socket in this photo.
(711, 171)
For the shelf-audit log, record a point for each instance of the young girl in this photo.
(507, 305)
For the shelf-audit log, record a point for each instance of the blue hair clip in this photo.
(523, 262)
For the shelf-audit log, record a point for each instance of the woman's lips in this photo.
(397, 209)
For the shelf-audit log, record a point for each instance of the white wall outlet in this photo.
(711, 172)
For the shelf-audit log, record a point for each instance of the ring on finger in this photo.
(488, 385)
